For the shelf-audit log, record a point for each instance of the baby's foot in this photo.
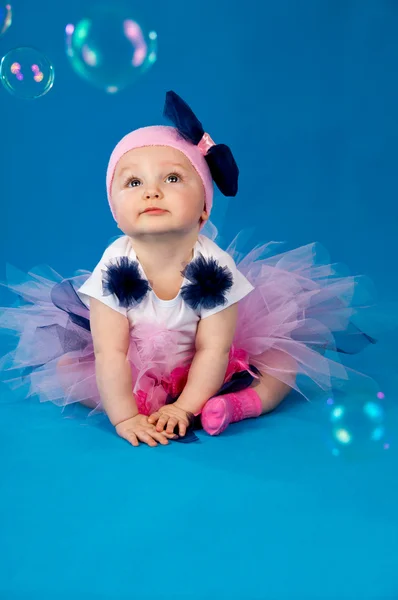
(216, 415)
(220, 411)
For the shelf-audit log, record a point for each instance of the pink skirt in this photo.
(303, 317)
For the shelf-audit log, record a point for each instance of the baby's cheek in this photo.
(126, 216)
(126, 203)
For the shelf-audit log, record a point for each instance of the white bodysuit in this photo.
(174, 315)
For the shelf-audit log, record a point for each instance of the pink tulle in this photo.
(286, 327)
(154, 390)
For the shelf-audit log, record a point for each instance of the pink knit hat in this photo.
(213, 162)
(160, 135)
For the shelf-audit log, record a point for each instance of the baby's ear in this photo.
(204, 217)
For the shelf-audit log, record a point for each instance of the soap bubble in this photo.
(5, 17)
(26, 73)
(357, 426)
(109, 48)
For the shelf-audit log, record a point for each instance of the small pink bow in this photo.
(205, 144)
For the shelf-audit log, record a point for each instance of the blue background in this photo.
(305, 93)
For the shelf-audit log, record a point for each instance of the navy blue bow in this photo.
(219, 158)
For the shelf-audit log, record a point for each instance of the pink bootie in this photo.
(220, 411)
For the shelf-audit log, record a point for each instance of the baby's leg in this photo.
(261, 397)
(269, 388)
(271, 391)
(64, 368)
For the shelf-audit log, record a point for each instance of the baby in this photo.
(169, 331)
(160, 191)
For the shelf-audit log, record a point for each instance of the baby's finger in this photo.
(161, 438)
(162, 422)
(170, 436)
(145, 437)
(131, 437)
(171, 424)
(182, 428)
(153, 418)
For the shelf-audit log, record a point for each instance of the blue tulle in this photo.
(64, 297)
(353, 340)
(209, 283)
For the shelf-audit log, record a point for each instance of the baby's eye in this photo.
(172, 178)
(133, 182)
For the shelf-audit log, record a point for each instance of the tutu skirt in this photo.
(297, 325)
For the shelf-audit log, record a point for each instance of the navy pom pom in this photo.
(123, 279)
(209, 283)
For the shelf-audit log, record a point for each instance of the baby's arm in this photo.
(213, 342)
(111, 338)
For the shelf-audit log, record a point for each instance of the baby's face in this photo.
(161, 177)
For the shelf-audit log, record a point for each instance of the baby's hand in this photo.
(167, 417)
(138, 429)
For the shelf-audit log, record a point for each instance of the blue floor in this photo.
(264, 511)
(306, 95)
